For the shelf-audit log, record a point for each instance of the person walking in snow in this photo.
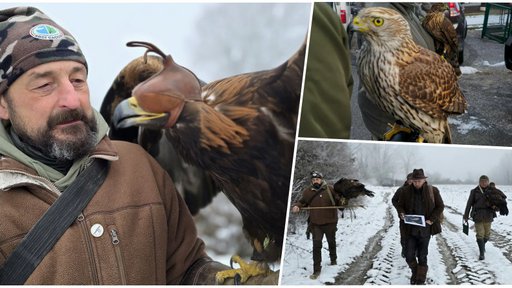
(321, 221)
(481, 212)
(425, 203)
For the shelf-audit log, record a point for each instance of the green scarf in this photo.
(60, 180)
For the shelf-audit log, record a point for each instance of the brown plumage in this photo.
(409, 82)
(351, 188)
(444, 35)
(240, 130)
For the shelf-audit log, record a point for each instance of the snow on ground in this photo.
(468, 70)
(369, 249)
(463, 127)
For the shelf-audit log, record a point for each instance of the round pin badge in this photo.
(45, 32)
(97, 230)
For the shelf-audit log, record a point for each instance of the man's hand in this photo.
(428, 222)
(402, 216)
(465, 219)
(295, 209)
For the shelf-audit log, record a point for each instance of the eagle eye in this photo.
(378, 21)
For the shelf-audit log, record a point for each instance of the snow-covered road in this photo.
(369, 249)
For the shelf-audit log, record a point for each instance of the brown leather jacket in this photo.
(320, 216)
(148, 237)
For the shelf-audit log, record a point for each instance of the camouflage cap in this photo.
(29, 38)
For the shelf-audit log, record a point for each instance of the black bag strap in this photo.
(49, 228)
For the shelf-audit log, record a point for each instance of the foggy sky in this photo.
(453, 161)
(102, 31)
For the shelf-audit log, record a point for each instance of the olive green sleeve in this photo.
(328, 85)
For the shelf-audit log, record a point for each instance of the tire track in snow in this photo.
(467, 270)
(357, 272)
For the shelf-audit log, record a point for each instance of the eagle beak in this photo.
(129, 113)
(358, 26)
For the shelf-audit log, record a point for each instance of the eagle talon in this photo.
(242, 274)
(237, 279)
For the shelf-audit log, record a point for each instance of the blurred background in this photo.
(212, 40)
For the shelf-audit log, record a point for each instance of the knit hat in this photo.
(484, 177)
(29, 38)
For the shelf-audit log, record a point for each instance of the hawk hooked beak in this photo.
(358, 25)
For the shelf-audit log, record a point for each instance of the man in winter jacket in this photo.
(481, 212)
(322, 221)
(136, 229)
(422, 199)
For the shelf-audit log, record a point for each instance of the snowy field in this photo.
(368, 246)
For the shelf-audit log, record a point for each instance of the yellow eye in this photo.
(378, 21)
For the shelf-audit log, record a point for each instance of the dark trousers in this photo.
(417, 246)
(318, 232)
(403, 239)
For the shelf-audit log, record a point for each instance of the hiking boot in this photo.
(421, 274)
(314, 275)
(414, 267)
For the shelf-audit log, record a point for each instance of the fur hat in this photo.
(418, 174)
(29, 38)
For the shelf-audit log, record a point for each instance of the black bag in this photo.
(465, 227)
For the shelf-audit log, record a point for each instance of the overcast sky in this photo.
(102, 31)
(452, 161)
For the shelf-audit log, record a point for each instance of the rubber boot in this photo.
(481, 247)
(414, 269)
(314, 275)
(421, 275)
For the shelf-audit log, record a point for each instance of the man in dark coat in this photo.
(482, 213)
(321, 221)
(394, 200)
(422, 199)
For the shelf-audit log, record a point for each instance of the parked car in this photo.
(343, 11)
(508, 52)
(456, 14)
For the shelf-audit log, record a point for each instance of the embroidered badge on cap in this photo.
(45, 32)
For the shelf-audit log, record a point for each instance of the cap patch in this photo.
(45, 32)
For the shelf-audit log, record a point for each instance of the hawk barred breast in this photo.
(413, 84)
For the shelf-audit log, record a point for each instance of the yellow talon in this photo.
(395, 129)
(245, 271)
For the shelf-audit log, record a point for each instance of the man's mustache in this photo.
(66, 117)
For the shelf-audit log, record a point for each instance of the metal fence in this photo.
(497, 21)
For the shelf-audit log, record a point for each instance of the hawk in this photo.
(444, 35)
(411, 83)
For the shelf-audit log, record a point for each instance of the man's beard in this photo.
(80, 140)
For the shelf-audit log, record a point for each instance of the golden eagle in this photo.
(238, 133)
